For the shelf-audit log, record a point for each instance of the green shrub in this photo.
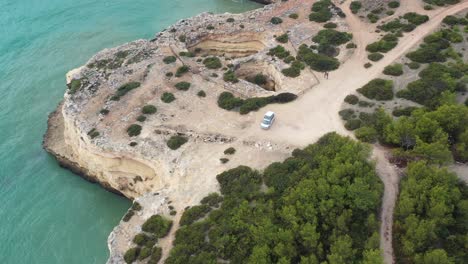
(230, 20)
(363, 103)
(394, 4)
(346, 114)
(414, 65)
(355, 6)
(136, 206)
(134, 130)
(210, 27)
(394, 69)
(241, 182)
(176, 142)
(141, 118)
(321, 11)
(157, 225)
(201, 93)
(193, 214)
(144, 253)
(149, 109)
(182, 86)
(294, 16)
(294, 70)
(279, 51)
(167, 97)
(224, 160)
(317, 62)
(124, 89)
(182, 70)
(351, 99)
(259, 79)
(353, 124)
(453, 20)
(367, 65)
(331, 37)
(351, 46)
(104, 111)
(415, 18)
(182, 38)
(366, 134)
(93, 133)
(276, 20)
(143, 239)
(387, 43)
(128, 215)
(282, 38)
(212, 63)
(230, 151)
(375, 56)
(74, 86)
(330, 25)
(397, 112)
(187, 54)
(390, 12)
(131, 255)
(228, 101)
(169, 59)
(373, 18)
(378, 89)
(213, 200)
(169, 74)
(156, 254)
(230, 76)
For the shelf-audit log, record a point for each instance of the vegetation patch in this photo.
(212, 63)
(149, 109)
(295, 219)
(283, 38)
(134, 130)
(169, 59)
(378, 89)
(355, 6)
(351, 99)
(294, 70)
(317, 62)
(93, 133)
(276, 20)
(228, 101)
(182, 86)
(230, 151)
(157, 225)
(321, 11)
(201, 93)
(394, 69)
(167, 97)
(124, 89)
(194, 213)
(176, 142)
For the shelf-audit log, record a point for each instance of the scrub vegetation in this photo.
(320, 205)
(228, 101)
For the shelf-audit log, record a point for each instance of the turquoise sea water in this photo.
(48, 215)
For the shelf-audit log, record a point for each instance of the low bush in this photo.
(294, 70)
(230, 151)
(279, 52)
(74, 86)
(93, 133)
(375, 56)
(212, 63)
(355, 6)
(157, 225)
(258, 79)
(187, 54)
(141, 118)
(283, 38)
(294, 16)
(378, 89)
(144, 253)
(182, 86)
(230, 20)
(351, 99)
(332, 37)
(367, 65)
(394, 69)
(366, 134)
(176, 142)
(394, 4)
(169, 59)
(353, 124)
(230, 76)
(228, 101)
(363, 103)
(104, 111)
(373, 18)
(213, 200)
(193, 214)
(276, 20)
(351, 46)
(156, 254)
(131, 255)
(167, 97)
(415, 18)
(317, 62)
(414, 65)
(182, 38)
(397, 112)
(201, 93)
(134, 130)
(387, 43)
(149, 109)
(182, 70)
(321, 11)
(124, 89)
(143, 239)
(346, 114)
(224, 160)
(330, 25)
(210, 27)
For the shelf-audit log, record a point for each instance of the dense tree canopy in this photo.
(319, 206)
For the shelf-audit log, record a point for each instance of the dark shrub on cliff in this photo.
(149, 109)
(193, 214)
(212, 63)
(131, 255)
(169, 59)
(176, 141)
(157, 225)
(124, 89)
(378, 89)
(182, 86)
(167, 97)
(134, 130)
(276, 20)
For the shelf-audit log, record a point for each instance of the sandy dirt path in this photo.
(390, 177)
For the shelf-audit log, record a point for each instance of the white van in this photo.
(268, 120)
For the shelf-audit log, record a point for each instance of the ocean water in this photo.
(48, 215)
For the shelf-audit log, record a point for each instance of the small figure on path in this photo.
(326, 75)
